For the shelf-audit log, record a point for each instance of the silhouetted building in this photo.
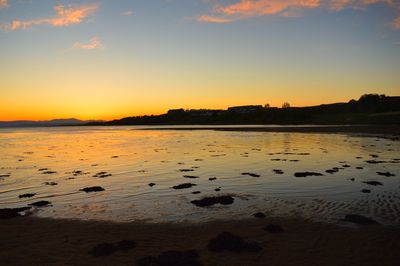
(176, 111)
(246, 109)
(203, 112)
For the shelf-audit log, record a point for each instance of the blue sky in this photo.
(123, 57)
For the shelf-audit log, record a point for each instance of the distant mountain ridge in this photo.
(47, 123)
(368, 109)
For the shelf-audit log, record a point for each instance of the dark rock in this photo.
(78, 172)
(190, 176)
(186, 170)
(217, 189)
(92, 189)
(374, 161)
(7, 175)
(102, 174)
(305, 174)
(273, 228)
(212, 178)
(106, 249)
(332, 171)
(27, 195)
(226, 241)
(42, 203)
(209, 201)
(49, 172)
(184, 185)
(9, 213)
(43, 169)
(358, 219)
(50, 183)
(103, 249)
(352, 179)
(152, 184)
(251, 174)
(366, 190)
(359, 167)
(172, 258)
(387, 174)
(196, 192)
(259, 215)
(346, 165)
(373, 183)
(278, 171)
(126, 245)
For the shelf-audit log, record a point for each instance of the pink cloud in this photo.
(252, 8)
(93, 44)
(212, 19)
(249, 8)
(65, 16)
(341, 4)
(3, 4)
(396, 23)
(244, 9)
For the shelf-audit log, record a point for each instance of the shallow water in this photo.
(135, 158)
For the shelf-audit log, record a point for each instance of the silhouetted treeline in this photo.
(369, 109)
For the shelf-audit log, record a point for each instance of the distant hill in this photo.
(47, 123)
(368, 109)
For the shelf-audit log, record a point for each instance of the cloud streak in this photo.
(396, 23)
(338, 5)
(213, 19)
(245, 9)
(3, 4)
(93, 44)
(65, 16)
(127, 13)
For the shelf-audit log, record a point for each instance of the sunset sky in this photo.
(109, 59)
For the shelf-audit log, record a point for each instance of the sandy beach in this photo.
(37, 241)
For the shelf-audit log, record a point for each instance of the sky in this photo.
(108, 59)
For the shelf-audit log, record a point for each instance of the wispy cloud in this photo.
(245, 9)
(93, 44)
(338, 5)
(213, 19)
(65, 16)
(253, 8)
(127, 13)
(3, 4)
(396, 23)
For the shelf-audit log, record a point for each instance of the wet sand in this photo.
(39, 241)
(390, 130)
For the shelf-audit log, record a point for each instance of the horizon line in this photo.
(165, 112)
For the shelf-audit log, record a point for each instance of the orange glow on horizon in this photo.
(48, 113)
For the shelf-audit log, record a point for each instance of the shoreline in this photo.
(44, 241)
(393, 130)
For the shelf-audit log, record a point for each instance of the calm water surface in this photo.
(135, 158)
